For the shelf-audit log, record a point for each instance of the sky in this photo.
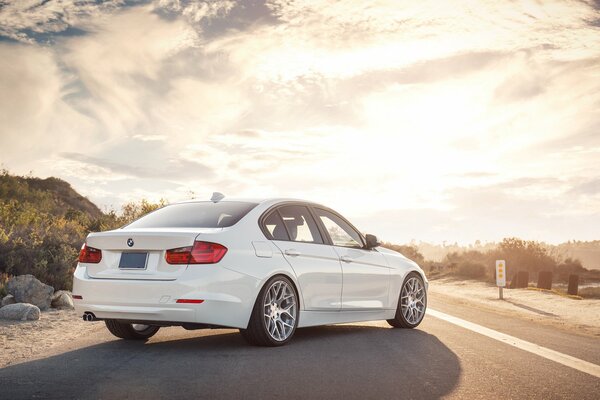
(417, 120)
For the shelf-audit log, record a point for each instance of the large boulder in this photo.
(27, 289)
(62, 299)
(20, 312)
(8, 299)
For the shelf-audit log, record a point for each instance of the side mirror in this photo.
(372, 241)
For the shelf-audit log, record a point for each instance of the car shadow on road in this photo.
(345, 361)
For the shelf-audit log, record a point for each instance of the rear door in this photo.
(139, 254)
(317, 267)
(366, 273)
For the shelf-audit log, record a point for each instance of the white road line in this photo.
(564, 359)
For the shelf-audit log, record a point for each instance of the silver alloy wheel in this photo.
(412, 300)
(280, 310)
(139, 327)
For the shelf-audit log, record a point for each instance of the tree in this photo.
(522, 255)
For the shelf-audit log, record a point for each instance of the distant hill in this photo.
(51, 195)
(587, 252)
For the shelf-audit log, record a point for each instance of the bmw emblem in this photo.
(130, 242)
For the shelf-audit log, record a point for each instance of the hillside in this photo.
(43, 223)
(51, 195)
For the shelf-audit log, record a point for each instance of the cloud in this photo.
(589, 187)
(27, 20)
(492, 212)
(195, 11)
(438, 113)
(150, 138)
(36, 119)
(165, 169)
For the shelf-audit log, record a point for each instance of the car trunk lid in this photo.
(139, 254)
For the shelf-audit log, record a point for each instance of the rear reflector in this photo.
(89, 255)
(190, 301)
(77, 297)
(200, 253)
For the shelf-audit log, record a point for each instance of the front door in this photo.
(316, 264)
(366, 273)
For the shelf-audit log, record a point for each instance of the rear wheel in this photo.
(128, 331)
(412, 303)
(275, 315)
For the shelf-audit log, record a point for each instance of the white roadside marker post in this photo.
(500, 277)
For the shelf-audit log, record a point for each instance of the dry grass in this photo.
(557, 292)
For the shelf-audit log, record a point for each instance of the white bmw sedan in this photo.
(266, 267)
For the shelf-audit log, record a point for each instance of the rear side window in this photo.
(299, 224)
(195, 215)
(274, 225)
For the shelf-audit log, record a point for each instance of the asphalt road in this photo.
(355, 361)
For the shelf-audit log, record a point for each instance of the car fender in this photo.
(400, 267)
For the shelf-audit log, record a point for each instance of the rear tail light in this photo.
(89, 255)
(199, 253)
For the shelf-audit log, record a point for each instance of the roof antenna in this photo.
(216, 197)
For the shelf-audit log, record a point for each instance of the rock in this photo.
(62, 299)
(27, 289)
(8, 299)
(20, 312)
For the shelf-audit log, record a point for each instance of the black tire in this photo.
(126, 331)
(400, 320)
(257, 333)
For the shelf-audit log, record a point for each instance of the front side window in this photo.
(300, 225)
(204, 214)
(341, 233)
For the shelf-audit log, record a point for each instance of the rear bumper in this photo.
(228, 297)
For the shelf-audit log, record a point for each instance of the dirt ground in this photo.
(21, 340)
(544, 306)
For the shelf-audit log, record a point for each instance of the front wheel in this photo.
(275, 315)
(412, 303)
(127, 331)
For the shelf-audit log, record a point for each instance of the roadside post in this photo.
(500, 277)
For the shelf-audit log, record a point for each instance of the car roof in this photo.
(265, 202)
(273, 200)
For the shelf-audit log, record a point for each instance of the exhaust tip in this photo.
(88, 316)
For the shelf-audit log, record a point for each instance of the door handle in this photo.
(292, 252)
(346, 259)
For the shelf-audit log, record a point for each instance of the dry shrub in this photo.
(590, 292)
(470, 270)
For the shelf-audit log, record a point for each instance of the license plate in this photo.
(133, 260)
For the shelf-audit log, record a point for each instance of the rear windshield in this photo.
(195, 215)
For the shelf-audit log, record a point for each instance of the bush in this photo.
(568, 267)
(471, 270)
(590, 292)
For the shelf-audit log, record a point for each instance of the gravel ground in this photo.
(23, 340)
